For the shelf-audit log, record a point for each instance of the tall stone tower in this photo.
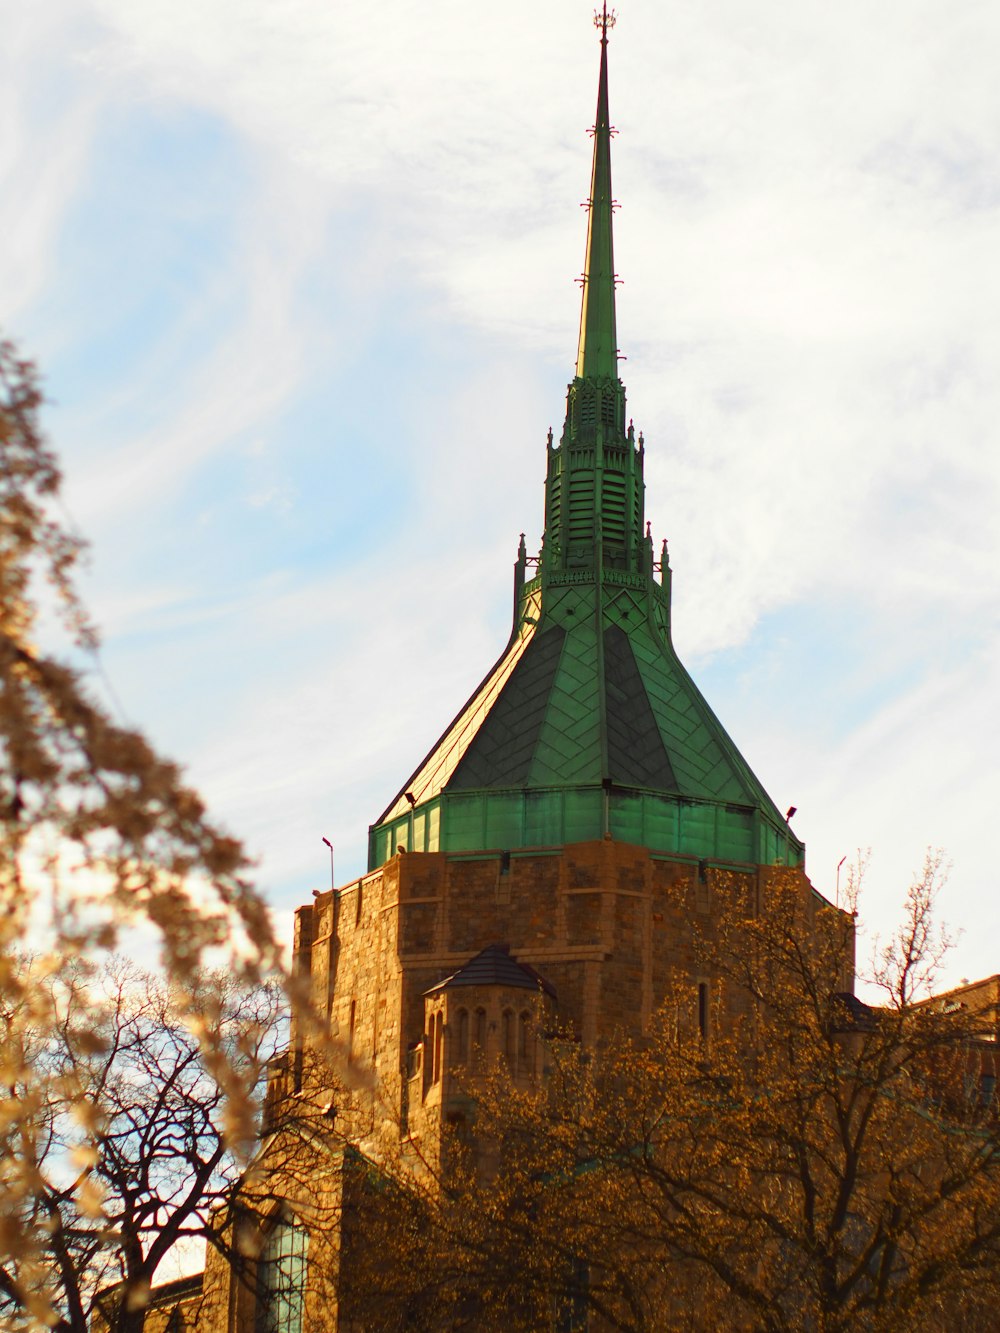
(553, 856)
(530, 852)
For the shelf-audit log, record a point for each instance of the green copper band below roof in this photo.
(500, 821)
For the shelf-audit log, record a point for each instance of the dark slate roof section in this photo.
(501, 752)
(494, 966)
(177, 1290)
(636, 753)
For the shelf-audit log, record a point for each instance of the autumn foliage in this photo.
(98, 834)
(811, 1162)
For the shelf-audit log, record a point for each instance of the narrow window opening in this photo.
(703, 1010)
(507, 1033)
(462, 1054)
(414, 1059)
(480, 1035)
(987, 1089)
(281, 1274)
(524, 1042)
(438, 1029)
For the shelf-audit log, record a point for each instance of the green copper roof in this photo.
(588, 725)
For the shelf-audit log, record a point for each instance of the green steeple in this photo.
(597, 352)
(588, 725)
(593, 487)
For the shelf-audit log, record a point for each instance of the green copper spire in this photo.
(594, 486)
(588, 726)
(597, 352)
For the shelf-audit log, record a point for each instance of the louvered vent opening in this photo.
(588, 408)
(581, 507)
(555, 505)
(609, 404)
(613, 508)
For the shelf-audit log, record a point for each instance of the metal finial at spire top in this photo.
(604, 20)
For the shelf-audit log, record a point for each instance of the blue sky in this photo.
(300, 277)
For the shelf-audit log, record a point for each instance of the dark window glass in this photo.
(281, 1278)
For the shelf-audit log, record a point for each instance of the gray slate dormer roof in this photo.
(494, 966)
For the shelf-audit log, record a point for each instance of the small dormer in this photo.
(494, 1009)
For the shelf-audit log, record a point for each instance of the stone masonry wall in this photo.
(607, 923)
(610, 927)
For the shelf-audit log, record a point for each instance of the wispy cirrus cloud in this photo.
(326, 256)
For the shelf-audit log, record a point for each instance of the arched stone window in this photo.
(462, 1042)
(524, 1045)
(437, 1023)
(281, 1278)
(704, 1012)
(480, 1033)
(507, 1037)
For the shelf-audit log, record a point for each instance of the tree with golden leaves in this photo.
(98, 833)
(152, 1158)
(810, 1162)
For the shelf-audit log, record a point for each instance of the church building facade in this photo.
(529, 871)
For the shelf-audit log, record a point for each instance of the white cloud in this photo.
(923, 768)
(244, 374)
(47, 119)
(808, 241)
